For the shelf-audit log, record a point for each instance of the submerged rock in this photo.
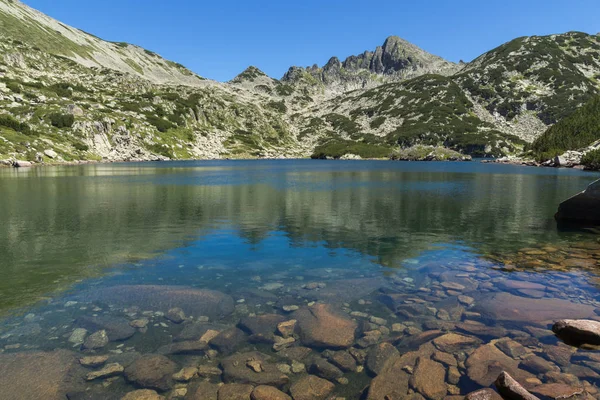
(581, 208)
(202, 391)
(487, 362)
(508, 307)
(311, 388)
(193, 301)
(264, 392)
(379, 355)
(236, 369)
(510, 389)
(143, 394)
(152, 372)
(39, 375)
(483, 394)
(96, 340)
(106, 372)
(324, 327)
(428, 379)
(235, 391)
(116, 328)
(261, 328)
(578, 331)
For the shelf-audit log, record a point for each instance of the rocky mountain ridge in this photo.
(66, 95)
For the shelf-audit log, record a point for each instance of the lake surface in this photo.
(407, 252)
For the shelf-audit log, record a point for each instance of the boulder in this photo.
(453, 343)
(378, 355)
(487, 362)
(22, 164)
(322, 326)
(116, 328)
(510, 389)
(325, 369)
(188, 348)
(236, 369)
(428, 379)
(261, 328)
(39, 375)
(143, 394)
(235, 391)
(152, 372)
(50, 154)
(96, 340)
(343, 360)
(311, 387)
(559, 391)
(193, 301)
(264, 392)
(202, 391)
(175, 315)
(581, 209)
(228, 340)
(578, 331)
(483, 394)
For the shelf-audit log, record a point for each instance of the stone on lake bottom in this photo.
(323, 327)
(152, 372)
(428, 379)
(143, 394)
(483, 394)
(106, 372)
(235, 391)
(511, 389)
(311, 388)
(264, 392)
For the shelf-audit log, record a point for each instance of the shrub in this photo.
(337, 148)
(576, 131)
(161, 124)
(9, 121)
(81, 146)
(278, 106)
(14, 87)
(61, 120)
(591, 160)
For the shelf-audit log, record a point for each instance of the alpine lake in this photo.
(348, 280)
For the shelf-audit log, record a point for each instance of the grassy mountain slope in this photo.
(575, 132)
(428, 110)
(50, 102)
(22, 23)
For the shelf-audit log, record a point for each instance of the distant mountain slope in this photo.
(20, 22)
(546, 76)
(68, 95)
(397, 59)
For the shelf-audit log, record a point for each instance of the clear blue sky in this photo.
(219, 39)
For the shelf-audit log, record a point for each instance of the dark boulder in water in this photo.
(192, 301)
(324, 327)
(578, 331)
(581, 209)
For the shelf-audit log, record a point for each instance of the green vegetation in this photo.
(9, 121)
(377, 122)
(278, 106)
(574, 132)
(591, 160)
(284, 90)
(61, 121)
(337, 148)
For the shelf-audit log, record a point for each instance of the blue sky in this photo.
(220, 39)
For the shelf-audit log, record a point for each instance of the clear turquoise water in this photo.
(235, 226)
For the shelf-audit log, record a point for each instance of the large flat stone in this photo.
(193, 301)
(508, 307)
(39, 375)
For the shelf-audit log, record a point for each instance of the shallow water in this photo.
(437, 247)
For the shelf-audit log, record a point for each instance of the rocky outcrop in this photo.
(152, 372)
(583, 208)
